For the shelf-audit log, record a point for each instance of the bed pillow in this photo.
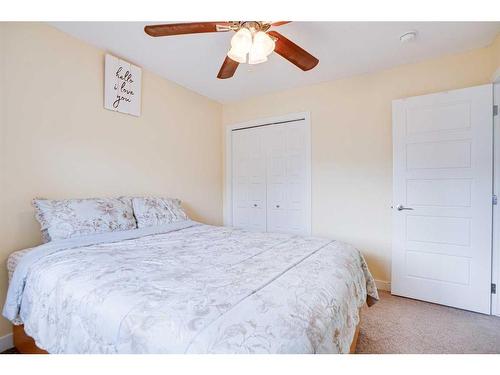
(63, 219)
(153, 211)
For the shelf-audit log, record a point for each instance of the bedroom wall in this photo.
(57, 140)
(496, 58)
(352, 142)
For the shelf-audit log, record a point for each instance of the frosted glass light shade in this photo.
(264, 43)
(241, 42)
(256, 56)
(258, 46)
(262, 46)
(237, 56)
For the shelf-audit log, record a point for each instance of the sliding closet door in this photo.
(249, 179)
(287, 190)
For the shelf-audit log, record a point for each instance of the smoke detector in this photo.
(408, 37)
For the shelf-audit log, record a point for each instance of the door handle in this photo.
(400, 207)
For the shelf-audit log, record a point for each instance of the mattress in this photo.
(190, 288)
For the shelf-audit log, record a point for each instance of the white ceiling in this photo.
(343, 48)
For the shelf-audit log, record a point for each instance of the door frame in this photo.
(228, 167)
(495, 265)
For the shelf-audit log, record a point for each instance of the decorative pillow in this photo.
(62, 219)
(151, 211)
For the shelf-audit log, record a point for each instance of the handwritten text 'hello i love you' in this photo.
(123, 92)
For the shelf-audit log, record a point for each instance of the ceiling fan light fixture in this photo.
(257, 55)
(262, 46)
(237, 56)
(264, 43)
(241, 43)
(255, 58)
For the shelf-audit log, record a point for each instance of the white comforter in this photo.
(191, 288)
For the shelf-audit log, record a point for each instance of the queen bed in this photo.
(185, 287)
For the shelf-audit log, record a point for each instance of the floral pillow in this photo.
(63, 219)
(152, 211)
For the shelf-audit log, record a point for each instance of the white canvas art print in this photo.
(122, 86)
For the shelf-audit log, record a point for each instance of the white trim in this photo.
(495, 265)
(6, 342)
(383, 285)
(228, 201)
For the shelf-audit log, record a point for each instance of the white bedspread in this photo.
(191, 288)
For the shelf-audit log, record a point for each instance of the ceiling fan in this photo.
(252, 39)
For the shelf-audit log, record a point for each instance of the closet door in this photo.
(249, 179)
(287, 190)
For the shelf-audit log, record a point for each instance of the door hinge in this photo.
(494, 200)
(495, 110)
(493, 288)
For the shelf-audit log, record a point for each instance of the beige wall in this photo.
(496, 58)
(58, 141)
(352, 145)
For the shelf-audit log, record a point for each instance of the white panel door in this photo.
(442, 198)
(249, 179)
(287, 191)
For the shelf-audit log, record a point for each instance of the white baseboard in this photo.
(6, 342)
(383, 285)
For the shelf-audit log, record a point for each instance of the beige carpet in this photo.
(402, 325)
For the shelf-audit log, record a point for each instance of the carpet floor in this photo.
(403, 325)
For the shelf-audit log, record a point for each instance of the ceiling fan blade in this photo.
(293, 53)
(228, 68)
(185, 28)
(279, 23)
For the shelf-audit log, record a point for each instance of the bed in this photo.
(187, 287)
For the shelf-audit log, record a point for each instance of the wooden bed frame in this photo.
(26, 345)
